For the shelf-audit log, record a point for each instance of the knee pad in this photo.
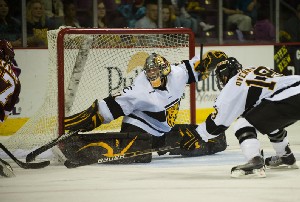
(278, 136)
(246, 133)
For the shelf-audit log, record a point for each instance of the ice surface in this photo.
(165, 179)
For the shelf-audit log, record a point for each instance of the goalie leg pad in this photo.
(86, 120)
(89, 148)
(213, 146)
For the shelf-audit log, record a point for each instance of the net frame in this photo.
(60, 61)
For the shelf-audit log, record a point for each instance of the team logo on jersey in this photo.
(172, 112)
(214, 114)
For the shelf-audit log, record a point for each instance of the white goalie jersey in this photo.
(153, 110)
(246, 90)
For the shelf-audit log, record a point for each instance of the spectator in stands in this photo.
(264, 30)
(167, 19)
(10, 28)
(250, 8)
(184, 18)
(37, 24)
(132, 12)
(194, 9)
(150, 19)
(235, 18)
(70, 15)
(102, 18)
(53, 8)
(292, 26)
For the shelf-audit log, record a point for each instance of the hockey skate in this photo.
(288, 160)
(254, 168)
(5, 169)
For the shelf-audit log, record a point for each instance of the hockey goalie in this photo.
(149, 108)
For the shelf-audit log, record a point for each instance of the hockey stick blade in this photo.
(23, 164)
(72, 164)
(32, 155)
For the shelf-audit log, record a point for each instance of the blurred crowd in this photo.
(243, 20)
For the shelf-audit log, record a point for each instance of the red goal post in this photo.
(175, 44)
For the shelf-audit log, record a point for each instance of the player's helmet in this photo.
(156, 69)
(6, 51)
(225, 70)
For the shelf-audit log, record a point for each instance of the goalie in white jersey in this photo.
(152, 102)
(9, 91)
(262, 100)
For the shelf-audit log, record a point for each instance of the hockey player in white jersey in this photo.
(9, 91)
(260, 99)
(152, 102)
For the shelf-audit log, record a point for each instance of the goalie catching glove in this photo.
(86, 120)
(190, 139)
(209, 62)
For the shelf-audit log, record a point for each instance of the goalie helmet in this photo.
(156, 69)
(225, 70)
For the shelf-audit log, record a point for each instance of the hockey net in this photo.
(89, 64)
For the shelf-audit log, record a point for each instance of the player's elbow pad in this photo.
(212, 128)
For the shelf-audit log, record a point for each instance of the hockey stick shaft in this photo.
(72, 164)
(23, 164)
(201, 51)
(32, 155)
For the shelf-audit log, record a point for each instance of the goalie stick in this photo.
(23, 164)
(201, 51)
(73, 164)
(32, 155)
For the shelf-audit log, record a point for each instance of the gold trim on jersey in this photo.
(171, 113)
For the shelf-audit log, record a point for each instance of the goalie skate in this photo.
(5, 169)
(59, 157)
(286, 161)
(254, 168)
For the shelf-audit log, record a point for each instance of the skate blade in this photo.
(284, 166)
(256, 173)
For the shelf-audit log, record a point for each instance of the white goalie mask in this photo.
(156, 69)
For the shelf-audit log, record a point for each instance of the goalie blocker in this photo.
(88, 148)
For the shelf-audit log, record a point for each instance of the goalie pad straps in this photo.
(86, 120)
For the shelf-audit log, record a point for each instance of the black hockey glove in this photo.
(190, 139)
(86, 120)
(209, 62)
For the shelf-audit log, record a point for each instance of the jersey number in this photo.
(263, 72)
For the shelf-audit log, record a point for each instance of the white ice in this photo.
(165, 179)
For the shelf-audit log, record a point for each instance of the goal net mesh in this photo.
(89, 64)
